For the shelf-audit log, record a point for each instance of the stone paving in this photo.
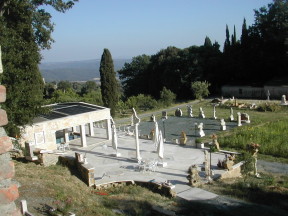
(109, 168)
(175, 125)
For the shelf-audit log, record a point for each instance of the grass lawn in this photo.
(269, 129)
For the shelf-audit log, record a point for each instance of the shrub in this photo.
(167, 97)
(141, 101)
(200, 89)
(271, 107)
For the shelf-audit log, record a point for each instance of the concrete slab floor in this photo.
(109, 168)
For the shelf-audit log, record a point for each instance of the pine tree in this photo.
(108, 80)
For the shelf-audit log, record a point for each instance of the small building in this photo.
(275, 88)
(65, 117)
(243, 91)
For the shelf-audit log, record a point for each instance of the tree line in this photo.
(259, 55)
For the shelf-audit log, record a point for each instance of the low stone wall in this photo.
(235, 172)
(86, 171)
(153, 186)
(8, 187)
(48, 159)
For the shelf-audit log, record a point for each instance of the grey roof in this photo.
(66, 109)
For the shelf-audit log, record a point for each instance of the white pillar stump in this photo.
(108, 129)
(83, 136)
(91, 129)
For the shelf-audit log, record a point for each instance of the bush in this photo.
(270, 107)
(93, 97)
(141, 101)
(200, 89)
(167, 97)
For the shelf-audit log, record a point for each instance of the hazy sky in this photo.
(134, 27)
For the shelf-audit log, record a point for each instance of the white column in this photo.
(137, 143)
(24, 208)
(83, 136)
(239, 119)
(74, 128)
(91, 129)
(108, 129)
(66, 135)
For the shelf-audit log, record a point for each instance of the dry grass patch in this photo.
(53, 186)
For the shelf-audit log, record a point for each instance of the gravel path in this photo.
(272, 167)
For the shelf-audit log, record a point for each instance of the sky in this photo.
(129, 28)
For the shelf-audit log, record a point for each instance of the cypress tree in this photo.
(227, 41)
(233, 37)
(108, 81)
(207, 42)
(244, 35)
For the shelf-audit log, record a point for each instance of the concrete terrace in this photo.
(109, 168)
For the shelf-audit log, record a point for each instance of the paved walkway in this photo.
(109, 168)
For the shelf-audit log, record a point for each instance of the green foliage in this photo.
(49, 88)
(25, 29)
(263, 48)
(167, 97)
(109, 85)
(248, 165)
(172, 68)
(200, 89)
(207, 42)
(134, 75)
(60, 96)
(64, 85)
(21, 76)
(77, 87)
(268, 107)
(93, 97)
(88, 87)
(142, 102)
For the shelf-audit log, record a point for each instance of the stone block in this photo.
(87, 173)
(48, 159)
(5, 144)
(3, 117)
(8, 193)
(2, 93)
(6, 169)
(233, 173)
(9, 209)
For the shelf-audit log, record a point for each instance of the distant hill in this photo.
(75, 70)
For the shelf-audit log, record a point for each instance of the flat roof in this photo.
(62, 110)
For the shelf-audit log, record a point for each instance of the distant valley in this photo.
(75, 70)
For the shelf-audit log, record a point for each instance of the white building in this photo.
(65, 117)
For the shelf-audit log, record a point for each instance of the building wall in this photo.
(243, 92)
(276, 92)
(43, 133)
